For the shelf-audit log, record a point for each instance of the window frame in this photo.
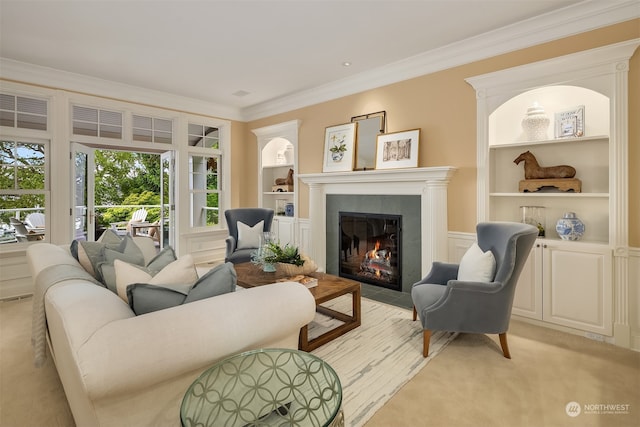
(45, 191)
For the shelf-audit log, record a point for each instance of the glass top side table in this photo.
(269, 387)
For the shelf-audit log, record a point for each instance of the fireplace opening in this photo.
(370, 248)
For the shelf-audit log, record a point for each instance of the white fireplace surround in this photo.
(428, 183)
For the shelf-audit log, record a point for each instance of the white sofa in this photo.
(119, 369)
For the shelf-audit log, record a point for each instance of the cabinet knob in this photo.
(537, 245)
(544, 246)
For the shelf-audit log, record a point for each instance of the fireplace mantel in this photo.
(428, 183)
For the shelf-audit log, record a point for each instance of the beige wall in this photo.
(443, 106)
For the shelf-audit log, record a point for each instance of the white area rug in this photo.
(376, 359)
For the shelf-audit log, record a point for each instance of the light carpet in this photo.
(373, 362)
(376, 359)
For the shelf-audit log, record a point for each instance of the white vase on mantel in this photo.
(535, 123)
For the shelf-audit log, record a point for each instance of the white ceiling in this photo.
(274, 50)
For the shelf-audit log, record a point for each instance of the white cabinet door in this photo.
(527, 300)
(577, 287)
(284, 229)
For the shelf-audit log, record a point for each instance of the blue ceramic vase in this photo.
(570, 227)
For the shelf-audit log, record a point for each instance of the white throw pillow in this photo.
(477, 266)
(249, 237)
(180, 271)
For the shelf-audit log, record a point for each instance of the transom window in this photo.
(204, 136)
(95, 122)
(151, 129)
(22, 112)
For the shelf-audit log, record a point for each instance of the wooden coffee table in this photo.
(329, 287)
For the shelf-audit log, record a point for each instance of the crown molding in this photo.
(57, 79)
(582, 17)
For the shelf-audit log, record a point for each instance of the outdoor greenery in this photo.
(126, 178)
(121, 178)
(21, 168)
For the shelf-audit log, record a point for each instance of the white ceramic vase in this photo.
(535, 123)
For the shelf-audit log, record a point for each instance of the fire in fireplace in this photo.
(370, 246)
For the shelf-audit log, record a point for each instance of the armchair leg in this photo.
(503, 344)
(425, 345)
(415, 313)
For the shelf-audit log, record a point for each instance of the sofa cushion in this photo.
(477, 266)
(145, 298)
(249, 237)
(219, 280)
(181, 271)
(127, 251)
(90, 254)
(108, 247)
(160, 261)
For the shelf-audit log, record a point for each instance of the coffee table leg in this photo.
(350, 322)
(303, 340)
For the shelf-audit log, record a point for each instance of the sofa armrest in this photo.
(137, 352)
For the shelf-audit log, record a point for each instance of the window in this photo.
(94, 122)
(204, 136)
(23, 189)
(150, 129)
(22, 112)
(204, 185)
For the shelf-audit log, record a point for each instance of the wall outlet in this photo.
(593, 336)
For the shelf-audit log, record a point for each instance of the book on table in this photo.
(308, 281)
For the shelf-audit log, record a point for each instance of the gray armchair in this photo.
(250, 217)
(447, 304)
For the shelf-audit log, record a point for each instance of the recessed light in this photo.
(346, 64)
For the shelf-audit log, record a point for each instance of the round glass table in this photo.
(269, 387)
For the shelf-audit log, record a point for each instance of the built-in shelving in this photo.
(277, 154)
(565, 283)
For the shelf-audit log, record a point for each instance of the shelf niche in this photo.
(588, 154)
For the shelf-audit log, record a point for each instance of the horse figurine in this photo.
(532, 170)
(286, 181)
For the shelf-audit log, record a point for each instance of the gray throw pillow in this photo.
(219, 280)
(161, 260)
(144, 298)
(157, 263)
(90, 254)
(127, 251)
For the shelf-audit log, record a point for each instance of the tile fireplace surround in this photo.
(428, 183)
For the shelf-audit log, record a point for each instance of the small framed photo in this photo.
(570, 123)
(339, 148)
(398, 149)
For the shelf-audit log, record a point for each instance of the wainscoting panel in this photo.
(634, 297)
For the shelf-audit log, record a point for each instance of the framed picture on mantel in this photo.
(398, 150)
(339, 148)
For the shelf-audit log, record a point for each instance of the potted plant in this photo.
(287, 258)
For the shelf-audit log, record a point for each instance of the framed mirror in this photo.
(369, 127)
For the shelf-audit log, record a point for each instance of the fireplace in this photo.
(425, 231)
(370, 248)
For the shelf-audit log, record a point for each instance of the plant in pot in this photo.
(287, 258)
(338, 149)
